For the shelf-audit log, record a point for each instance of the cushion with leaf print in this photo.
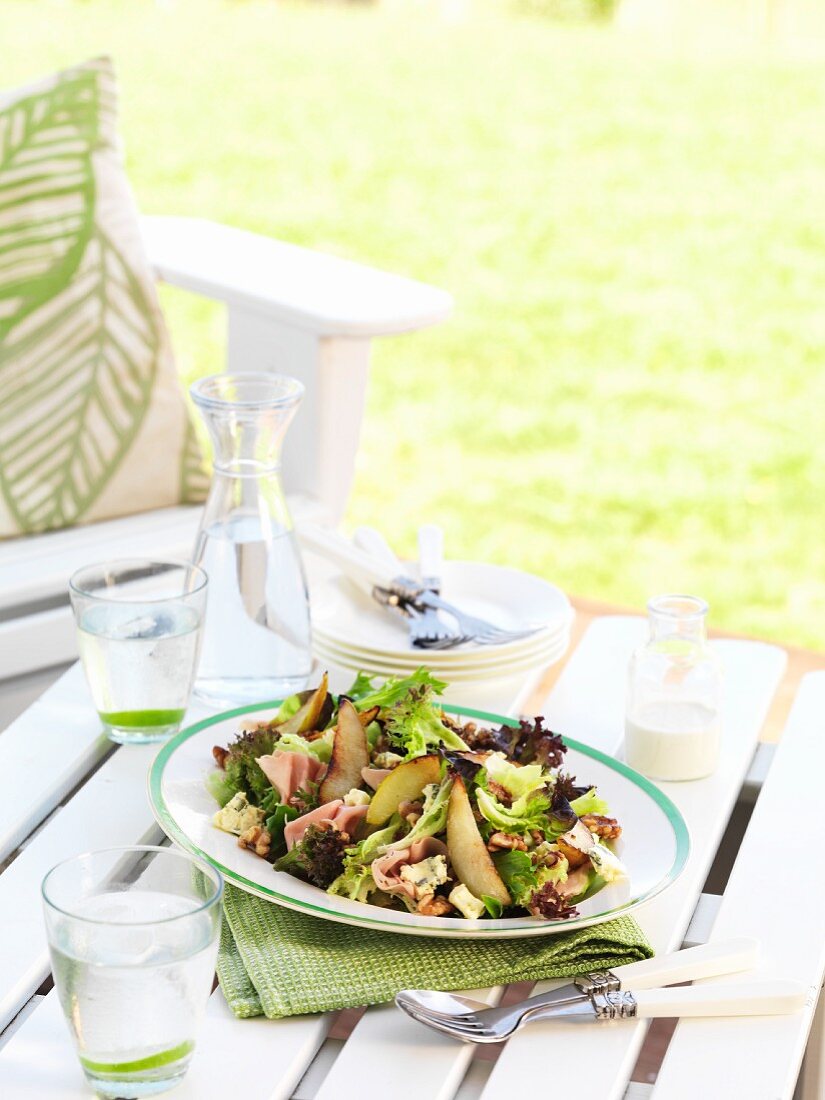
(93, 422)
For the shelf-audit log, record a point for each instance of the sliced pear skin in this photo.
(350, 754)
(307, 717)
(468, 853)
(405, 782)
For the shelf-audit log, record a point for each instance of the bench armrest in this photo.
(306, 290)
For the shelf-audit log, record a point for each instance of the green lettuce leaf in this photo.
(275, 824)
(525, 813)
(515, 780)
(588, 803)
(321, 747)
(291, 705)
(492, 905)
(355, 882)
(396, 687)
(518, 874)
(220, 786)
(414, 725)
(362, 685)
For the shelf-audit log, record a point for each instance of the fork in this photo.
(706, 960)
(747, 998)
(431, 631)
(426, 629)
(471, 627)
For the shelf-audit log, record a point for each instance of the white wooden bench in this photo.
(775, 892)
(290, 310)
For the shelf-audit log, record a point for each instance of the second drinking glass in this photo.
(256, 643)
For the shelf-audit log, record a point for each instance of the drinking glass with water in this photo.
(139, 629)
(133, 936)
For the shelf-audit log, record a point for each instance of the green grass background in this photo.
(630, 397)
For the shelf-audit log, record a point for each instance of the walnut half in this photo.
(607, 828)
(433, 905)
(499, 841)
(220, 754)
(257, 839)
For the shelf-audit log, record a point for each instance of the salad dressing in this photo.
(673, 740)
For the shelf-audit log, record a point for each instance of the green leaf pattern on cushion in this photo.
(47, 192)
(81, 337)
(88, 353)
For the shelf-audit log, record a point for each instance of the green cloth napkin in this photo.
(276, 962)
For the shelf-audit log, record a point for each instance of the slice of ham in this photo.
(386, 869)
(374, 776)
(575, 882)
(289, 772)
(344, 818)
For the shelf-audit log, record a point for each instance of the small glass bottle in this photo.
(674, 698)
(256, 641)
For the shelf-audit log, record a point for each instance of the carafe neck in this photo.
(247, 416)
(677, 618)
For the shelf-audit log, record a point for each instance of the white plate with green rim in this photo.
(654, 845)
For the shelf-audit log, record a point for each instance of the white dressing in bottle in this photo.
(672, 722)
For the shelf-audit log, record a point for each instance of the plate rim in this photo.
(494, 670)
(175, 833)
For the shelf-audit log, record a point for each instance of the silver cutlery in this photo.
(471, 627)
(603, 995)
(393, 590)
(426, 629)
(755, 998)
(431, 632)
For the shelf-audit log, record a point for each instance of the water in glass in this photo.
(149, 657)
(161, 971)
(133, 935)
(138, 628)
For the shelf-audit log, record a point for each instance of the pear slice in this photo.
(406, 782)
(350, 754)
(575, 845)
(468, 853)
(312, 708)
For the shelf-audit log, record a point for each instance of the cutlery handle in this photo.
(707, 960)
(371, 541)
(362, 568)
(430, 555)
(761, 998)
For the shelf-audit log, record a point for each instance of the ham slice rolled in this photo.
(386, 869)
(289, 772)
(375, 776)
(344, 818)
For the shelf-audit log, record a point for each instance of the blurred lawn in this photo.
(631, 395)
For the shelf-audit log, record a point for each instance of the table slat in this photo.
(753, 672)
(418, 1061)
(776, 893)
(110, 809)
(255, 1059)
(47, 750)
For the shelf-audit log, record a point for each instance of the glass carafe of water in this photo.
(256, 642)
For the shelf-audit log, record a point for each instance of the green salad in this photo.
(382, 797)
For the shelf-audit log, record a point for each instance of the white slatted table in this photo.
(62, 793)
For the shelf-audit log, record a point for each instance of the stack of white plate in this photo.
(352, 631)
